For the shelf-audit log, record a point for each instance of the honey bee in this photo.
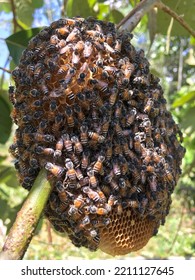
(79, 47)
(79, 201)
(75, 159)
(62, 30)
(84, 134)
(71, 172)
(69, 117)
(137, 144)
(148, 106)
(27, 138)
(75, 57)
(80, 114)
(43, 137)
(118, 45)
(38, 70)
(33, 162)
(44, 151)
(34, 92)
(53, 201)
(88, 49)
(79, 174)
(37, 103)
(152, 183)
(101, 85)
(68, 78)
(85, 221)
(133, 203)
(126, 94)
(96, 137)
(119, 208)
(116, 167)
(123, 165)
(92, 179)
(131, 117)
(113, 96)
(127, 70)
(109, 48)
(102, 211)
(56, 170)
(118, 109)
(67, 143)
(59, 147)
(98, 164)
(12, 94)
(85, 160)
(77, 144)
(91, 194)
(74, 35)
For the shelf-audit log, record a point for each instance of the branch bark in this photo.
(23, 229)
(15, 22)
(133, 18)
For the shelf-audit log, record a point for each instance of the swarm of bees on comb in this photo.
(89, 111)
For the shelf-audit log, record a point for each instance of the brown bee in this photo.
(112, 200)
(38, 70)
(85, 160)
(79, 174)
(84, 134)
(118, 45)
(113, 96)
(79, 201)
(75, 159)
(62, 31)
(88, 49)
(98, 164)
(148, 105)
(59, 147)
(77, 144)
(131, 117)
(71, 172)
(43, 137)
(102, 211)
(85, 221)
(118, 109)
(123, 165)
(137, 144)
(74, 35)
(56, 170)
(67, 143)
(80, 113)
(133, 203)
(109, 48)
(96, 137)
(44, 151)
(106, 190)
(69, 116)
(12, 94)
(152, 183)
(92, 179)
(68, 78)
(91, 194)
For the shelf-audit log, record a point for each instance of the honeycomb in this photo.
(89, 111)
(125, 233)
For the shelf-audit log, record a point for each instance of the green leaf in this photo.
(8, 176)
(182, 8)
(188, 119)
(115, 16)
(184, 99)
(5, 6)
(5, 119)
(24, 11)
(78, 8)
(37, 4)
(17, 42)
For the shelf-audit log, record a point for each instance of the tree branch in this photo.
(134, 16)
(5, 70)
(167, 10)
(22, 231)
(15, 22)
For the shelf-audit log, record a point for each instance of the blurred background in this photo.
(171, 52)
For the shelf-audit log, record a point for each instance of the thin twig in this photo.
(15, 22)
(180, 68)
(177, 232)
(167, 10)
(134, 16)
(5, 70)
(63, 8)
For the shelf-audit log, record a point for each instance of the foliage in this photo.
(171, 58)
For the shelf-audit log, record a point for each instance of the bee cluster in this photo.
(89, 111)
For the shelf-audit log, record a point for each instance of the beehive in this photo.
(90, 112)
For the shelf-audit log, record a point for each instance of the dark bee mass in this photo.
(89, 111)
